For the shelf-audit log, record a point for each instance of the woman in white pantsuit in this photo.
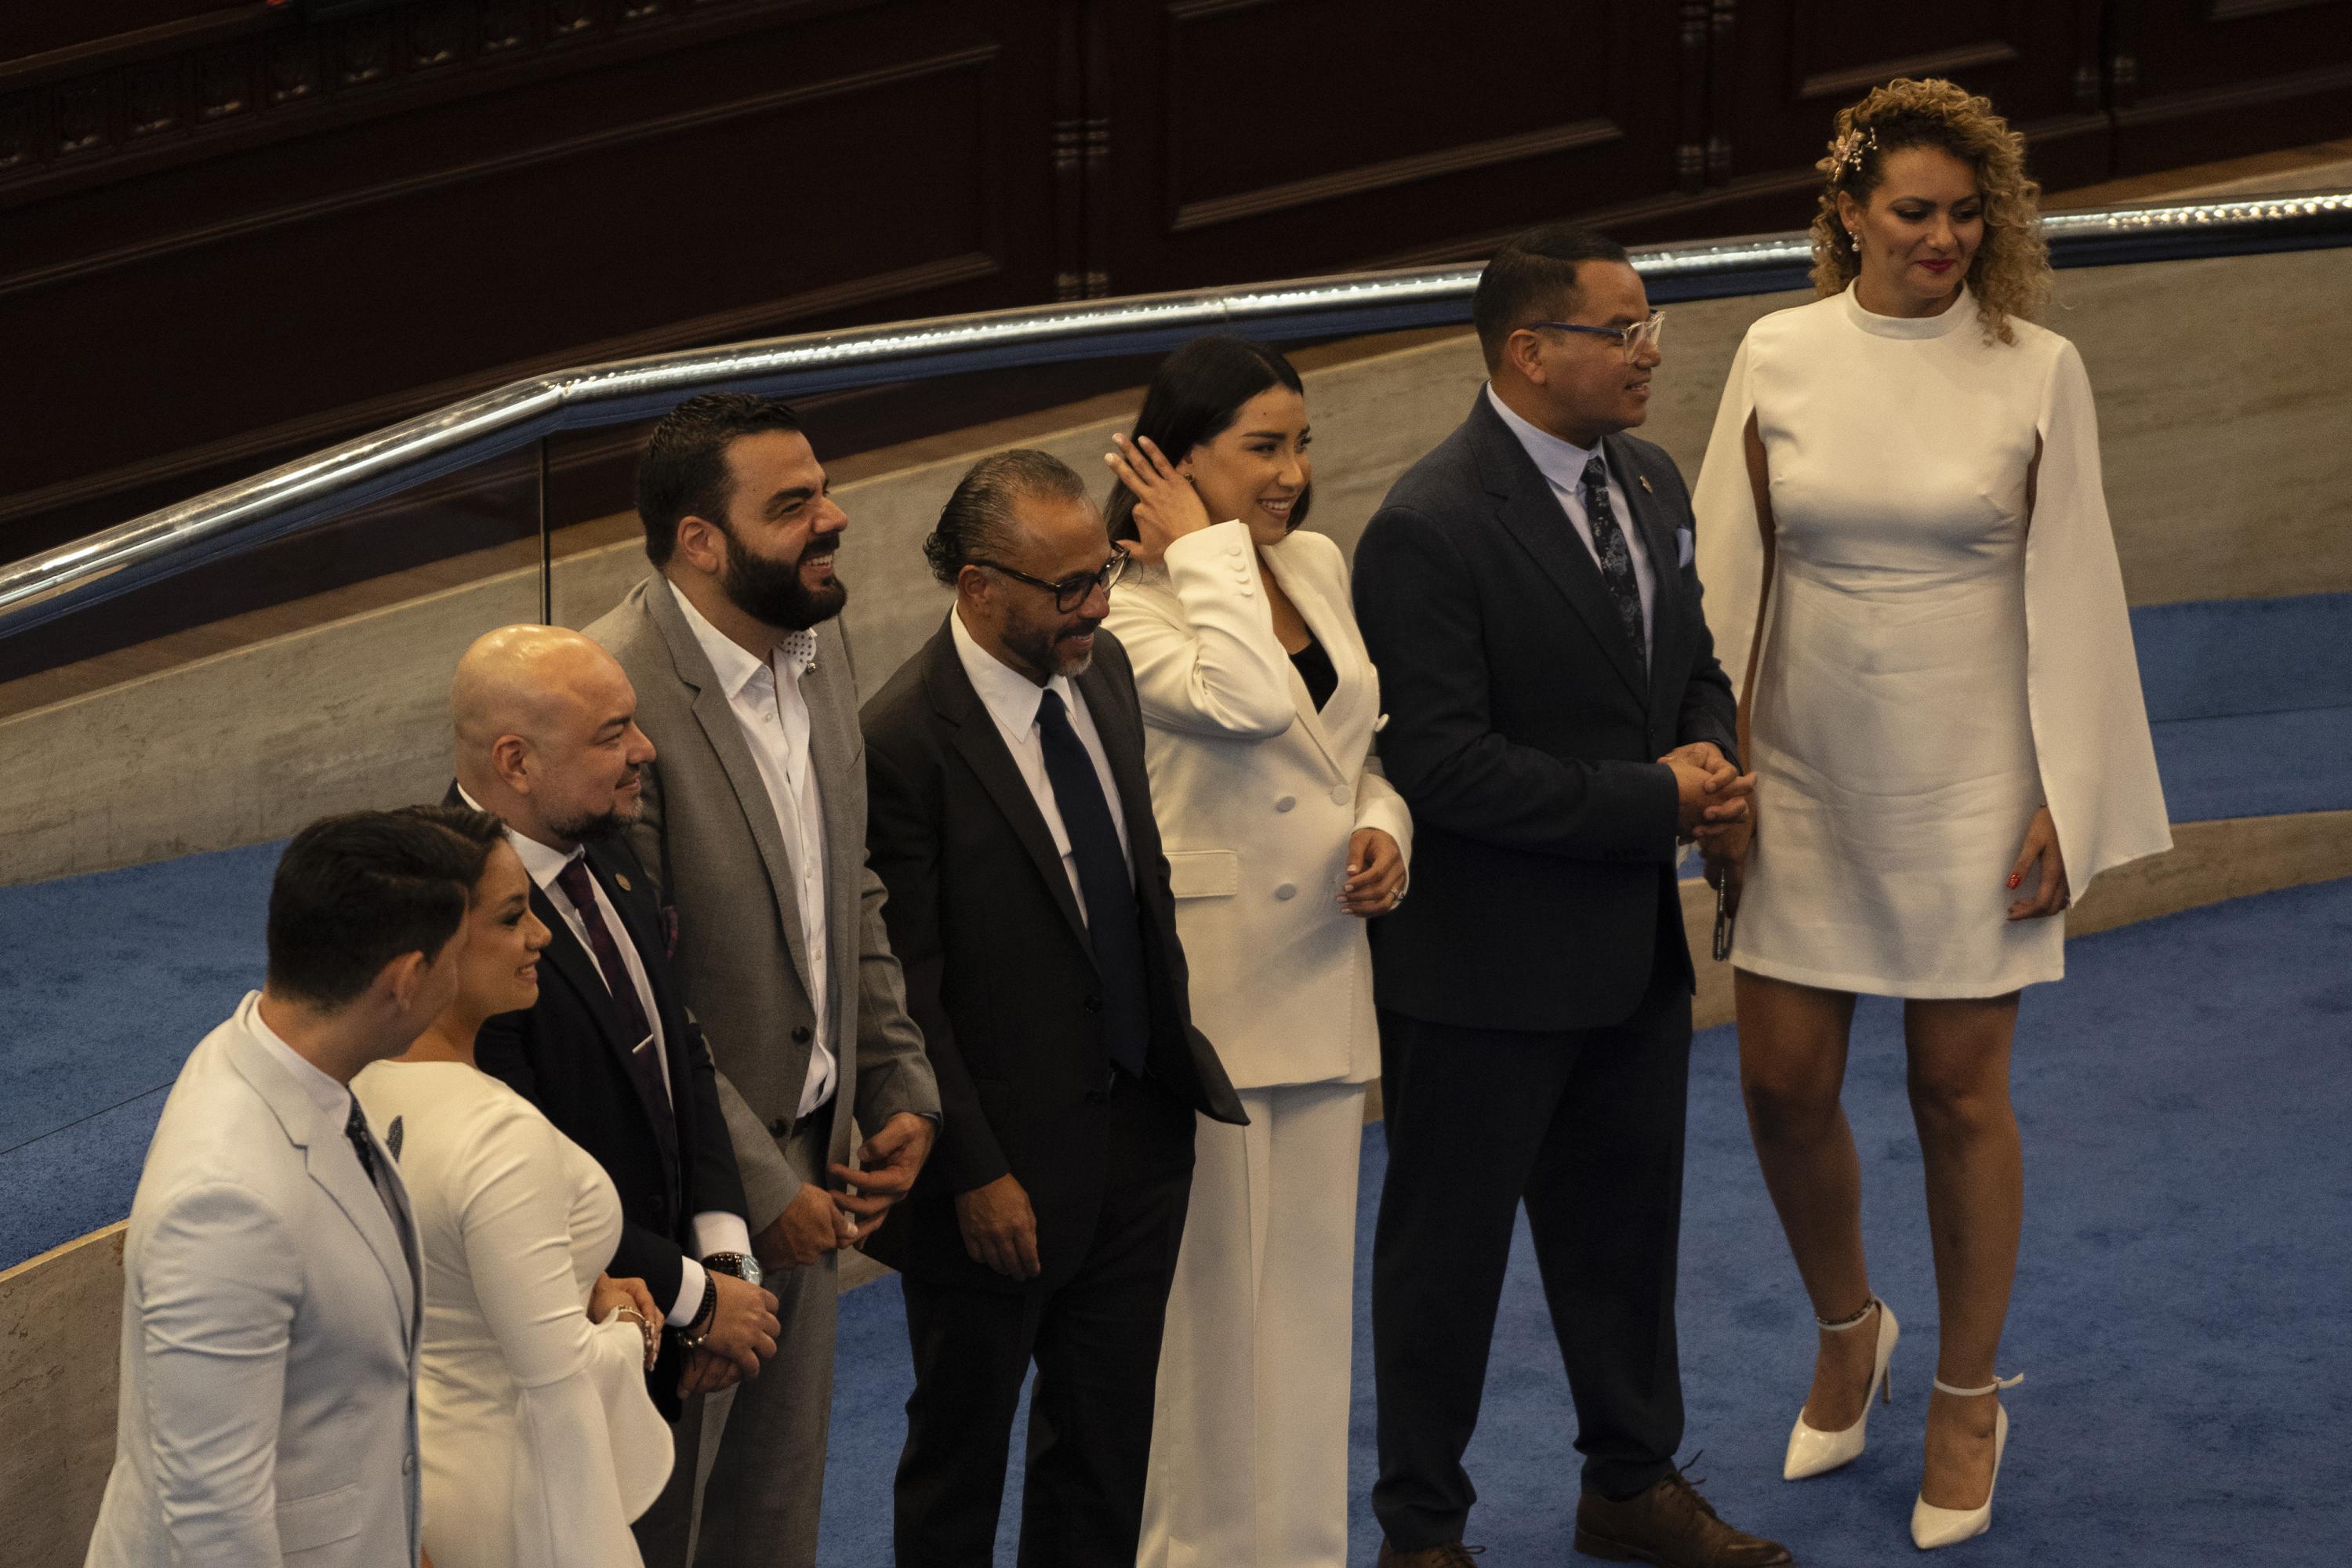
(1282, 838)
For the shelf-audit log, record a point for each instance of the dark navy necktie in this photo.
(1111, 922)
(1616, 556)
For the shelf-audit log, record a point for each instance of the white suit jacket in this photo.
(270, 1318)
(1257, 794)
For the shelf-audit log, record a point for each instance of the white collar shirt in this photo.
(1013, 700)
(543, 864)
(715, 1230)
(333, 1100)
(1561, 463)
(773, 715)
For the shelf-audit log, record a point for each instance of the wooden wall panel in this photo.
(2193, 74)
(1258, 138)
(231, 233)
(862, 164)
(1799, 62)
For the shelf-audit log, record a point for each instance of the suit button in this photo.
(1338, 795)
(800, 1034)
(652, 1206)
(1096, 1097)
(1093, 1003)
(1285, 802)
(778, 1127)
(1288, 890)
(408, 1464)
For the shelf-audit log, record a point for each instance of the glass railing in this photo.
(463, 486)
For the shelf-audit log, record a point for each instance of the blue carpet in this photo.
(108, 981)
(2251, 701)
(2181, 1306)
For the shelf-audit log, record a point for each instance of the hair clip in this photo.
(1849, 149)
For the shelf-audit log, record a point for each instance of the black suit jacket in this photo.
(1000, 974)
(1523, 732)
(568, 1056)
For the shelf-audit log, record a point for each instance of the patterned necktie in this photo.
(1111, 916)
(355, 1128)
(573, 881)
(1616, 555)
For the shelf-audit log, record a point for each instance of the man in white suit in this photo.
(271, 1295)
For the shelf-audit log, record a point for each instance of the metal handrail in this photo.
(271, 505)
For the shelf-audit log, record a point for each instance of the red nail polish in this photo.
(2014, 878)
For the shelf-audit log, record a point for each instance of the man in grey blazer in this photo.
(271, 1303)
(754, 825)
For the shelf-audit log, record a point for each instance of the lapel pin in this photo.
(392, 1137)
(623, 880)
(1646, 490)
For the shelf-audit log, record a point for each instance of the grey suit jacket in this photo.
(270, 1317)
(709, 835)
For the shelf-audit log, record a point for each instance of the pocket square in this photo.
(1683, 546)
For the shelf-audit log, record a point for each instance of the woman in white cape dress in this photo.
(1911, 579)
(539, 1439)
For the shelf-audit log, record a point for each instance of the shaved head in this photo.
(544, 728)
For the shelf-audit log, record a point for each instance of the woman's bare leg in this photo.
(1959, 1053)
(1792, 1048)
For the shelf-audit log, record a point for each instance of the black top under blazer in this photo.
(568, 1057)
(1000, 974)
(1524, 734)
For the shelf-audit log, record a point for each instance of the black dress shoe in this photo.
(1672, 1526)
(1453, 1554)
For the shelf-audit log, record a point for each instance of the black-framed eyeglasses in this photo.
(1629, 339)
(1071, 591)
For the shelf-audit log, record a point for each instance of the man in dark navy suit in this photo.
(1557, 724)
(546, 740)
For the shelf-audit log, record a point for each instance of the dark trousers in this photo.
(1587, 1127)
(1096, 1342)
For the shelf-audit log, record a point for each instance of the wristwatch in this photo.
(742, 1265)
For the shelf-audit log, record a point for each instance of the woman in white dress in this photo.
(1912, 580)
(539, 1439)
(1259, 704)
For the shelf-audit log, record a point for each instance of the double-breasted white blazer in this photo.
(270, 1317)
(1258, 794)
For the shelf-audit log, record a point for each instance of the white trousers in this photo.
(1249, 1444)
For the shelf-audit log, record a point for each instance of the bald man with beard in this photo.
(546, 740)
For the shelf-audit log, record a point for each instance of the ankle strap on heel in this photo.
(1838, 1325)
(1997, 1384)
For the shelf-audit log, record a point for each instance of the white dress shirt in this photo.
(1562, 467)
(332, 1098)
(1013, 700)
(773, 716)
(715, 1230)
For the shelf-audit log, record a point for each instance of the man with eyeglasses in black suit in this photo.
(1009, 818)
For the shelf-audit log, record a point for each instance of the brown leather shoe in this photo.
(1672, 1526)
(1453, 1554)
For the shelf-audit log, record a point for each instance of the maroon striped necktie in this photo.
(573, 881)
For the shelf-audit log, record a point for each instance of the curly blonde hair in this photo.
(2009, 273)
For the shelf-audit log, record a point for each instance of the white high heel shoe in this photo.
(1931, 1526)
(1813, 1452)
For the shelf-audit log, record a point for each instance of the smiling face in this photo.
(1256, 467)
(1052, 540)
(499, 972)
(1581, 386)
(773, 552)
(1917, 232)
